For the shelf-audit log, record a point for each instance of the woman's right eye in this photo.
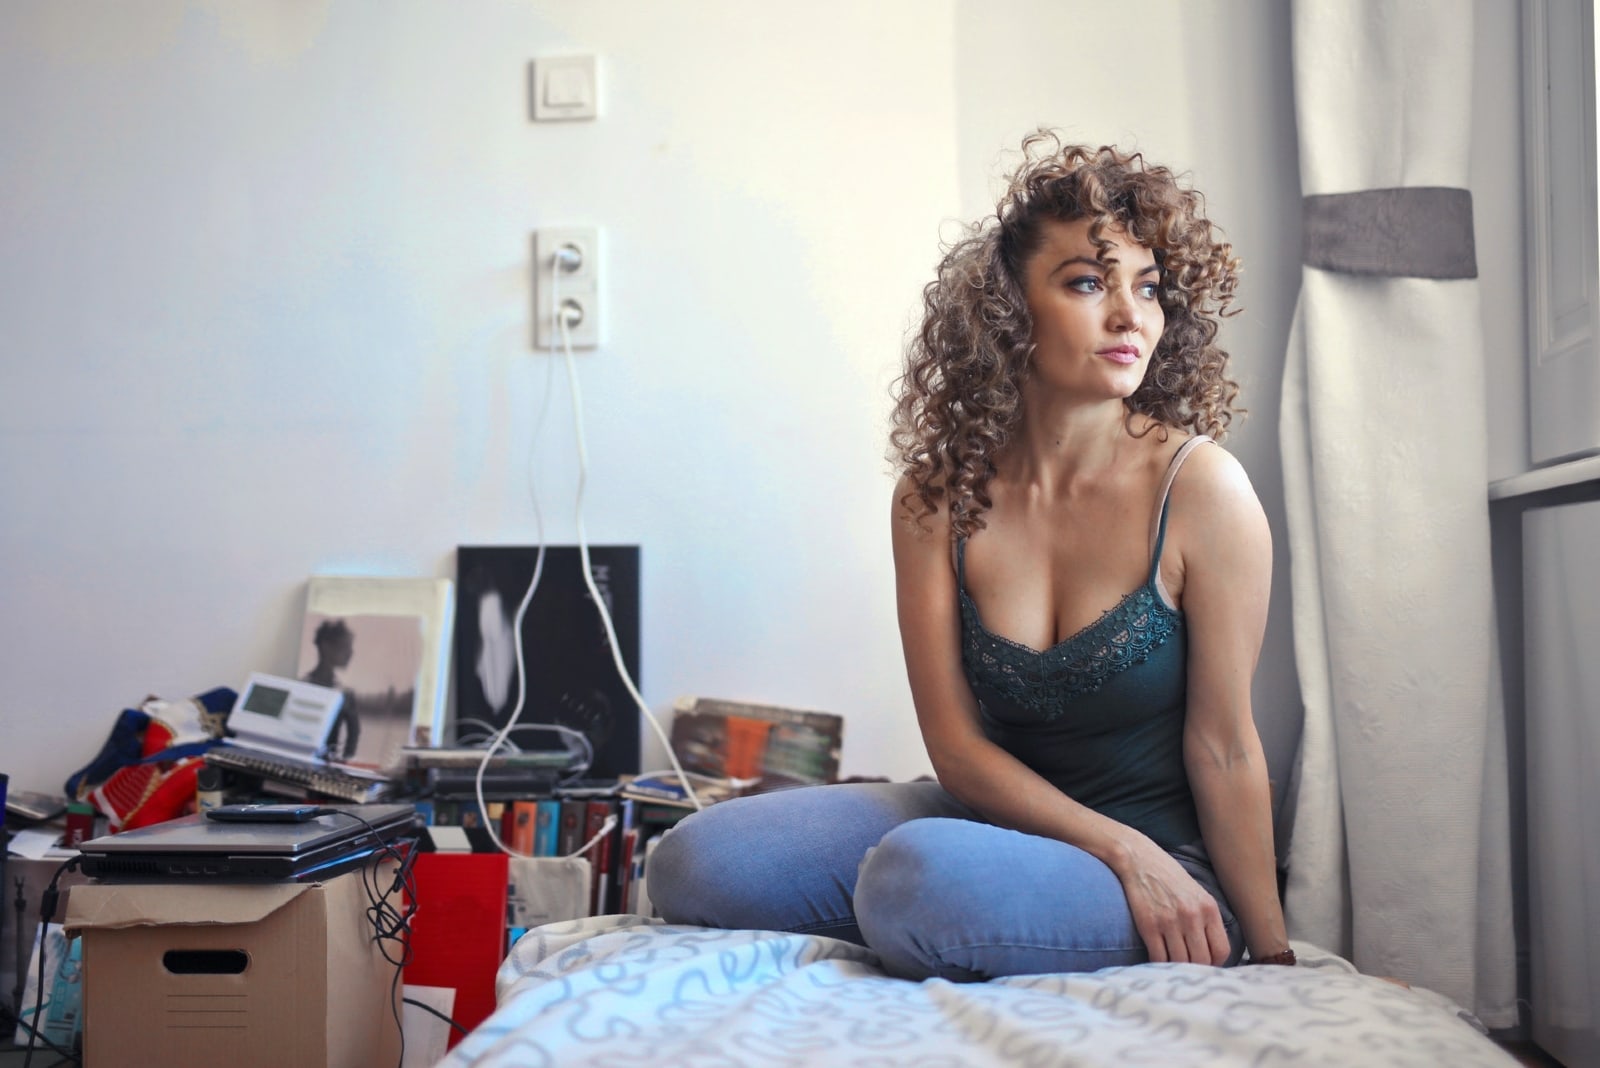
(1086, 284)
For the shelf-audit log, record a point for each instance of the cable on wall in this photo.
(576, 392)
(567, 315)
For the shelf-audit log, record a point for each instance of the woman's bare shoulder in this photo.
(1211, 468)
(910, 504)
(1213, 491)
(916, 520)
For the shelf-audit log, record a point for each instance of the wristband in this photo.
(1285, 957)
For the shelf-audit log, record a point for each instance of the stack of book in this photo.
(599, 822)
(756, 748)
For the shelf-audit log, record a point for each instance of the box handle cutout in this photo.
(206, 961)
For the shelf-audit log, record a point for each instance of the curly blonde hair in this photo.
(958, 402)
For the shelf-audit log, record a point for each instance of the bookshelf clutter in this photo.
(554, 825)
(546, 828)
(760, 747)
(773, 748)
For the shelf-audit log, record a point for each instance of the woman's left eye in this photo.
(1149, 291)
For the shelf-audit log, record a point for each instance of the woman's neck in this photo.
(1064, 445)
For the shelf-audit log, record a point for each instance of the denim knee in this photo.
(718, 868)
(680, 876)
(898, 898)
(961, 900)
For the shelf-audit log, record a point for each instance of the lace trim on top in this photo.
(1043, 682)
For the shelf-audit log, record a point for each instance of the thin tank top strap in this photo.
(1158, 521)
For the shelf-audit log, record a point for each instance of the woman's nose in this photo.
(1123, 313)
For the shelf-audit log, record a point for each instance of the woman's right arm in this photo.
(1175, 916)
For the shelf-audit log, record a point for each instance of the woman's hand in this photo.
(1176, 917)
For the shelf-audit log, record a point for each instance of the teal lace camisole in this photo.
(1100, 714)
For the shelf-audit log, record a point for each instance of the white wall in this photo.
(265, 282)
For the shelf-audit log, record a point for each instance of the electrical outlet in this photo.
(566, 276)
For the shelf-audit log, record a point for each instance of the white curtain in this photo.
(1399, 856)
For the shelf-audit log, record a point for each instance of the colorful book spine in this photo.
(523, 827)
(601, 853)
(627, 835)
(569, 837)
(546, 825)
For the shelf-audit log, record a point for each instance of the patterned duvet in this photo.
(621, 991)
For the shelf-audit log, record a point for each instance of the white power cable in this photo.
(499, 739)
(562, 315)
(583, 553)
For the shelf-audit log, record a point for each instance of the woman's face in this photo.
(1095, 321)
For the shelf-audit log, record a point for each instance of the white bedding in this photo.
(620, 991)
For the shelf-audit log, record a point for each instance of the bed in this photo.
(620, 991)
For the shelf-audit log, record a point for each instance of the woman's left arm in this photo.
(1226, 558)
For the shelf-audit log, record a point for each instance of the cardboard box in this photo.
(246, 975)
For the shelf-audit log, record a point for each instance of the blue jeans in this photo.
(910, 872)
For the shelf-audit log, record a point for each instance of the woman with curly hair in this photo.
(1082, 583)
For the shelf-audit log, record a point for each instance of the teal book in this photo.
(547, 822)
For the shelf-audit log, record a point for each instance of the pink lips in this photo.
(1121, 354)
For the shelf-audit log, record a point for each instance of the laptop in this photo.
(196, 847)
(280, 732)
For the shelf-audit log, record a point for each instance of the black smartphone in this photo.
(281, 813)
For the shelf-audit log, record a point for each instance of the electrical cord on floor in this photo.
(430, 1010)
(11, 1023)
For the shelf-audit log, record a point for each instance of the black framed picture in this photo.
(571, 677)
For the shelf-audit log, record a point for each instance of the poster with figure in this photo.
(570, 674)
(385, 643)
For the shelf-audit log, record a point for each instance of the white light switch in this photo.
(564, 88)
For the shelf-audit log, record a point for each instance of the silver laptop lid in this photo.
(197, 834)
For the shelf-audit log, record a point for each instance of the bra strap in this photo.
(1158, 522)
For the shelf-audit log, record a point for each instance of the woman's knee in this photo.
(685, 871)
(725, 866)
(900, 895)
(908, 860)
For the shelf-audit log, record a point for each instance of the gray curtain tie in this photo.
(1420, 232)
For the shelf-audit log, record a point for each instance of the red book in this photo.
(625, 870)
(600, 854)
(570, 834)
(458, 935)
